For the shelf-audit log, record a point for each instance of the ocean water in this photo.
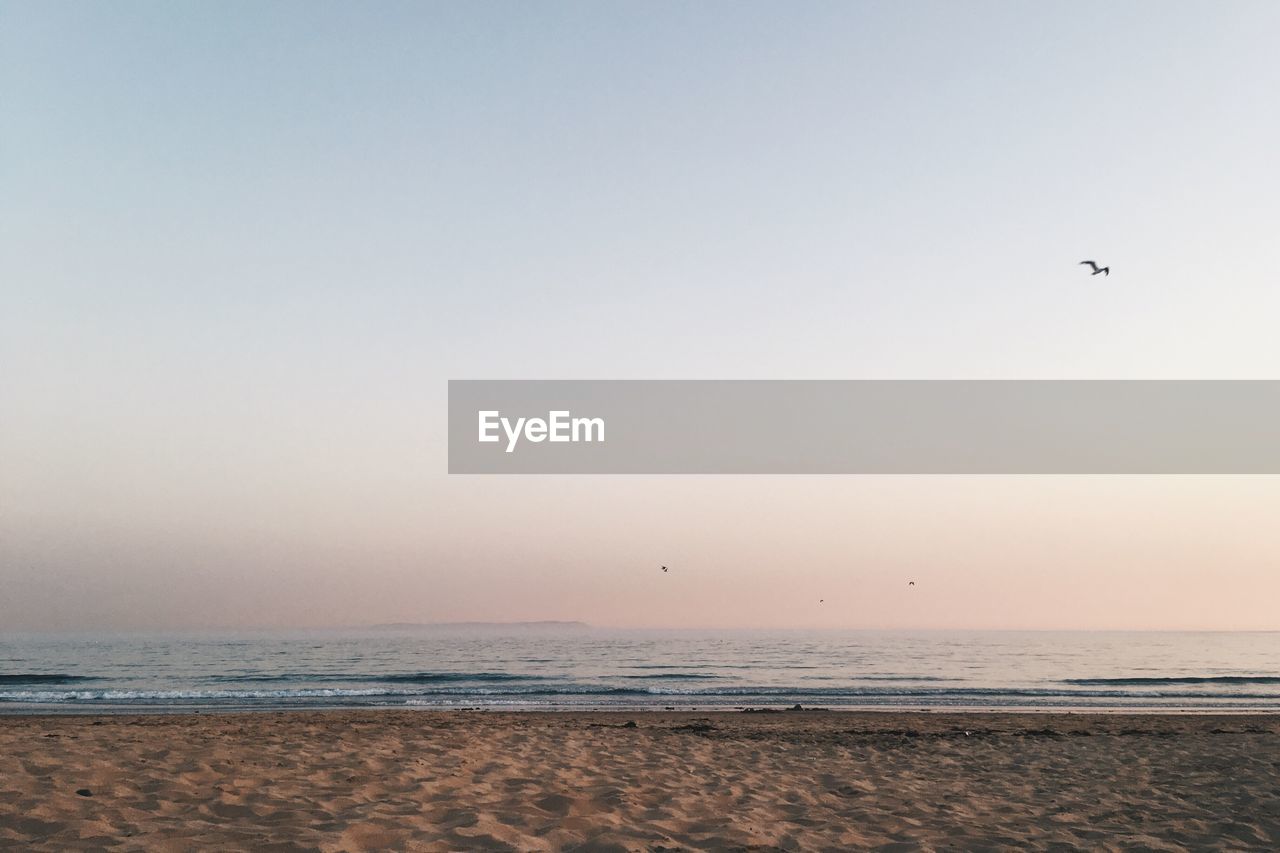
(525, 668)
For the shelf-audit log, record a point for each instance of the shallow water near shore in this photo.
(577, 667)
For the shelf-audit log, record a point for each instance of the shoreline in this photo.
(871, 718)
(87, 710)
(374, 779)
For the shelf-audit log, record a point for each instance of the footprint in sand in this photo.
(556, 804)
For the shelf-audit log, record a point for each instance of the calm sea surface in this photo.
(589, 668)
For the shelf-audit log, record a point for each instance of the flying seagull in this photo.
(1097, 269)
(911, 583)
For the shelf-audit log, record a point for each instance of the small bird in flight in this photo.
(1097, 269)
(664, 568)
(820, 600)
(911, 583)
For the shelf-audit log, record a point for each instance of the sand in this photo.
(376, 780)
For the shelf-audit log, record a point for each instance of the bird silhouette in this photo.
(1097, 269)
(664, 568)
(820, 600)
(911, 583)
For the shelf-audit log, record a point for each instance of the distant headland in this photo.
(545, 625)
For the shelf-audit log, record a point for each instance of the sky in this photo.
(243, 247)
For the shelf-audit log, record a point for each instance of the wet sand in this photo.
(376, 780)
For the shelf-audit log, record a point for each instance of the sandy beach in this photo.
(812, 780)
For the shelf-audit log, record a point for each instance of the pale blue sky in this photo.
(243, 245)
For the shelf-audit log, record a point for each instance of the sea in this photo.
(571, 666)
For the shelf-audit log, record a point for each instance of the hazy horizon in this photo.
(576, 625)
(244, 246)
